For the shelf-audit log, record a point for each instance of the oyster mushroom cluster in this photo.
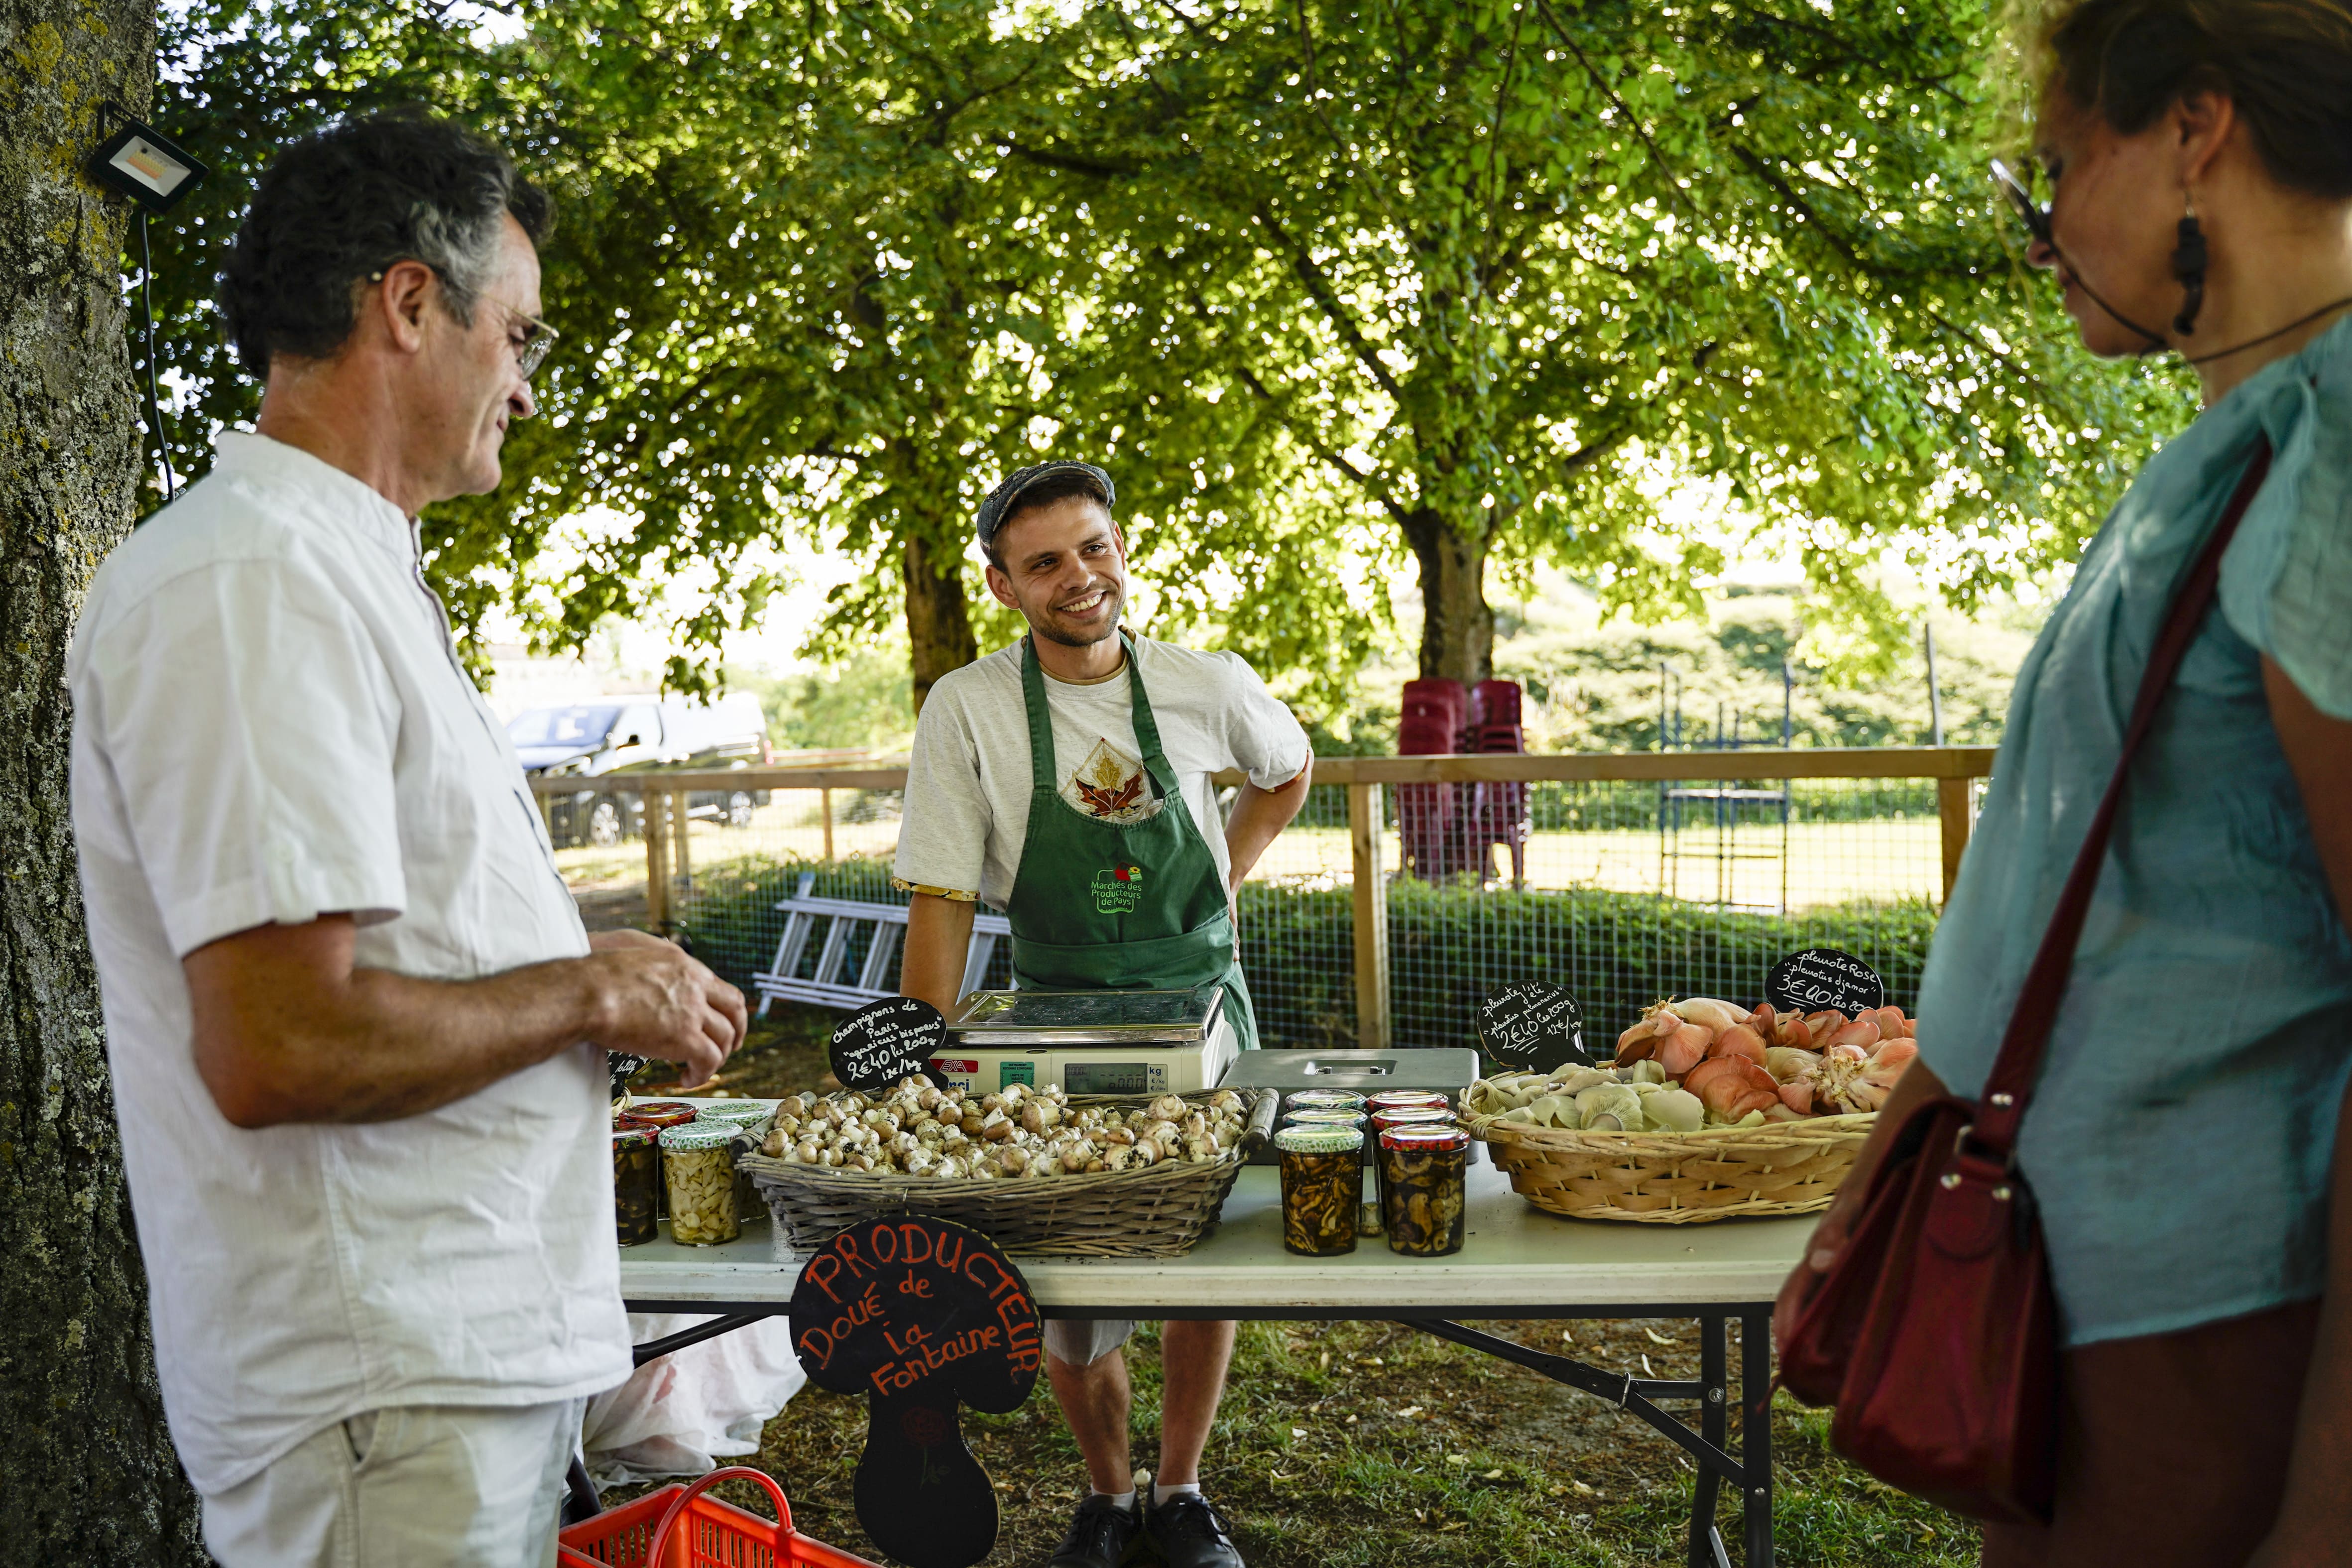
(1701, 1062)
(917, 1129)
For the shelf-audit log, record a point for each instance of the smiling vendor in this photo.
(1067, 781)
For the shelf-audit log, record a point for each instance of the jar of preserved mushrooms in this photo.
(1322, 1180)
(1423, 1175)
(636, 1183)
(700, 1175)
(1381, 1120)
(661, 1114)
(1408, 1100)
(1326, 1100)
(740, 1115)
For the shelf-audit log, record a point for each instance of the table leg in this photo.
(1756, 1433)
(1706, 1541)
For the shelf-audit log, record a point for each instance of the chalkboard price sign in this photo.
(886, 1041)
(1823, 977)
(1531, 1024)
(920, 1315)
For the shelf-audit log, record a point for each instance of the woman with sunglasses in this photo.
(2182, 1142)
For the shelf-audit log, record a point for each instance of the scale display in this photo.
(1115, 1078)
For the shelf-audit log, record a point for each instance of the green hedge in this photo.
(1448, 945)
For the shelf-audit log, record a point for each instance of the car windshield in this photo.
(562, 726)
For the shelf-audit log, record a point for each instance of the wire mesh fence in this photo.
(1623, 891)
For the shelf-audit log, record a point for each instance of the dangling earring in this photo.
(2188, 267)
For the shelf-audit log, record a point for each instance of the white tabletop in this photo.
(1517, 1256)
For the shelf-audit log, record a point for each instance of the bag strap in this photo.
(2010, 1083)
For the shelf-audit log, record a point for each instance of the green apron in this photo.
(1118, 906)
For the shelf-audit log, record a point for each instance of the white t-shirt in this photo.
(967, 804)
(270, 724)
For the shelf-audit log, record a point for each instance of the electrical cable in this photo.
(147, 314)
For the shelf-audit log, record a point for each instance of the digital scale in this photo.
(1089, 1042)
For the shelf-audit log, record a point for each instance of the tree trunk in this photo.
(939, 621)
(1457, 629)
(90, 1473)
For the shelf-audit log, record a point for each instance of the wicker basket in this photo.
(1154, 1211)
(1678, 1178)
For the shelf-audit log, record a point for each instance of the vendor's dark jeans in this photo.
(2173, 1447)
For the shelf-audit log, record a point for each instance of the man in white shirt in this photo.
(357, 1033)
(1067, 781)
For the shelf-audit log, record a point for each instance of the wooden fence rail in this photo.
(1954, 769)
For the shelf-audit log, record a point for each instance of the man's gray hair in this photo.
(336, 208)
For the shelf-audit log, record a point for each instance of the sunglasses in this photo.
(2035, 216)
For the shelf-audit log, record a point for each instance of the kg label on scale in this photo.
(886, 1041)
(1822, 977)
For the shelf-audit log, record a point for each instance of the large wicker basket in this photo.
(1154, 1211)
(1678, 1178)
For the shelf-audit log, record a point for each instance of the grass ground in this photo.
(1369, 1445)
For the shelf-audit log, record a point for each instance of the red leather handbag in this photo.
(1935, 1334)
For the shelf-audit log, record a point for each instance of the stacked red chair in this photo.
(1503, 816)
(1431, 817)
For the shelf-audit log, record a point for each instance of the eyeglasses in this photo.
(538, 337)
(2036, 216)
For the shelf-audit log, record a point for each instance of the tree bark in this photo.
(1457, 629)
(939, 621)
(90, 1473)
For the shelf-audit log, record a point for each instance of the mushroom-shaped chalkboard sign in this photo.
(920, 1315)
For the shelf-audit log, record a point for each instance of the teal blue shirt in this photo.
(2179, 1140)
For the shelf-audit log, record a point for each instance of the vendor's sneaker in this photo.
(1192, 1534)
(1101, 1534)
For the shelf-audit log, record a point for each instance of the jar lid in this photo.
(1422, 1139)
(663, 1112)
(740, 1113)
(1324, 1119)
(1399, 1098)
(698, 1135)
(1407, 1116)
(1314, 1140)
(635, 1137)
(1327, 1099)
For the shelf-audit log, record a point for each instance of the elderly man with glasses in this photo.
(357, 1034)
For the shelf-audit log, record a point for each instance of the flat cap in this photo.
(1001, 500)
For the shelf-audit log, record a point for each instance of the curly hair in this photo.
(337, 206)
(2285, 64)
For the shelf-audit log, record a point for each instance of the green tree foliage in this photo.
(1486, 274)
(1341, 291)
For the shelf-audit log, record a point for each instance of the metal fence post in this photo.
(1364, 835)
(1952, 802)
(656, 859)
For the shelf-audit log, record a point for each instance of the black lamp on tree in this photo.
(142, 162)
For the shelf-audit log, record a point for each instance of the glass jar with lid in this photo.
(1423, 1176)
(741, 1115)
(700, 1175)
(1322, 1182)
(637, 1184)
(1381, 1120)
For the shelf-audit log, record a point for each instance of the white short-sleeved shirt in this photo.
(967, 804)
(270, 724)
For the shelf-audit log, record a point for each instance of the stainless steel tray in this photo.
(993, 1018)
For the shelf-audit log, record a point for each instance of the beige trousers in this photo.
(449, 1485)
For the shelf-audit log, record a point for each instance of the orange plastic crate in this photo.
(691, 1530)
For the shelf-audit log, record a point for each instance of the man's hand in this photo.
(662, 1001)
(287, 1028)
